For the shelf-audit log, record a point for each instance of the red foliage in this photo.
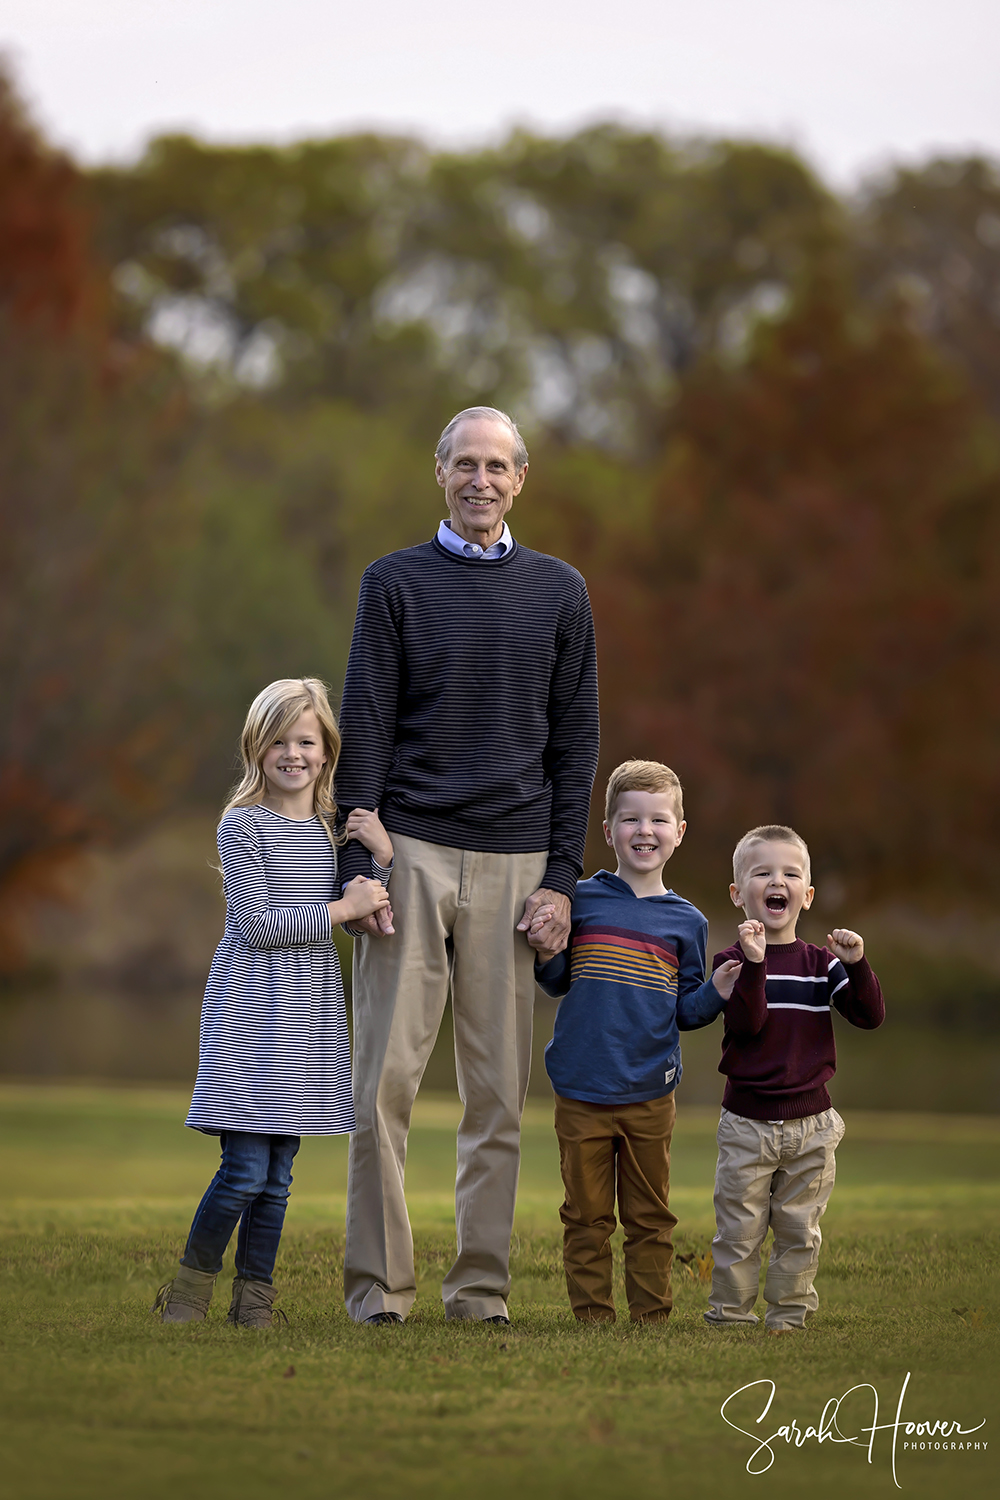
(809, 632)
(45, 272)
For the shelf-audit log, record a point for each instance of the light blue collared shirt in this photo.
(454, 543)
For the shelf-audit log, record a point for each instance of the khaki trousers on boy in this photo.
(602, 1146)
(777, 1174)
(455, 912)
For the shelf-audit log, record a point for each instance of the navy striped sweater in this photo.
(632, 977)
(778, 1048)
(469, 715)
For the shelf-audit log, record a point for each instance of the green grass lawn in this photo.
(100, 1399)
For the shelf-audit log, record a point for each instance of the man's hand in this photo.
(367, 828)
(753, 941)
(546, 921)
(847, 945)
(725, 977)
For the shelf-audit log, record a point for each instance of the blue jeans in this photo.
(250, 1189)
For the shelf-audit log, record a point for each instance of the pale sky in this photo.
(850, 83)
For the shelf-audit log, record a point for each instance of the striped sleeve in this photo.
(367, 714)
(571, 754)
(259, 924)
(856, 993)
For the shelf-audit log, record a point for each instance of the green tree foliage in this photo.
(576, 278)
(266, 263)
(929, 237)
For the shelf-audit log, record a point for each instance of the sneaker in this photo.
(382, 1319)
(498, 1319)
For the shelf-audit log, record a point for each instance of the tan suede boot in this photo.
(251, 1304)
(186, 1298)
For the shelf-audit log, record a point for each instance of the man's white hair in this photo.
(443, 450)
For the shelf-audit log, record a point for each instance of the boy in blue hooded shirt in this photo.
(631, 977)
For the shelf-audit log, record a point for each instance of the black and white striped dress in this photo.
(274, 1056)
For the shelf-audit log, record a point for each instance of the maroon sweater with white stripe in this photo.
(778, 1049)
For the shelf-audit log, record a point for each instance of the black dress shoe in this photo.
(382, 1319)
(498, 1319)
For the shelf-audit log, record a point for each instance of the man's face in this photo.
(479, 479)
(774, 889)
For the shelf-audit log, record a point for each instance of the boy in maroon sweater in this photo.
(778, 1131)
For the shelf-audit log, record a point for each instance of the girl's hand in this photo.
(361, 897)
(847, 945)
(725, 977)
(367, 828)
(753, 941)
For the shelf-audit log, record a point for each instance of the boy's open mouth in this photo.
(776, 903)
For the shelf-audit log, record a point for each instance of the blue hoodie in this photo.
(632, 976)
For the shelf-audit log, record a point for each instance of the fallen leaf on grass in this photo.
(289, 1373)
(705, 1264)
(975, 1318)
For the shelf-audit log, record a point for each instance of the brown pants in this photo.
(601, 1147)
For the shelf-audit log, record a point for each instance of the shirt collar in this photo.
(452, 542)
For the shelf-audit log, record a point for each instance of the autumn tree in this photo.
(806, 622)
(142, 601)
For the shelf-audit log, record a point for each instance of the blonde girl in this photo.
(274, 1061)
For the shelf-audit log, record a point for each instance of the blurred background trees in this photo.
(764, 421)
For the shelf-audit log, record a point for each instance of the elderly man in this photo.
(470, 720)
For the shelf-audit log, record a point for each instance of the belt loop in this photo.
(465, 879)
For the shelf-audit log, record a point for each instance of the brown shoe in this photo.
(251, 1304)
(186, 1298)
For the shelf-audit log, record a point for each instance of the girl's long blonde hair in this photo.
(271, 714)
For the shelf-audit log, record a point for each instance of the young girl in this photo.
(274, 1061)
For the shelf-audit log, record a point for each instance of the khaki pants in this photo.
(602, 1146)
(455, 912)
(777, 1175)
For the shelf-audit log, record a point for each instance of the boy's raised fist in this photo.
(847, 945)
(752, 940)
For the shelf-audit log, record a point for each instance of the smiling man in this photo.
(469, 719)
